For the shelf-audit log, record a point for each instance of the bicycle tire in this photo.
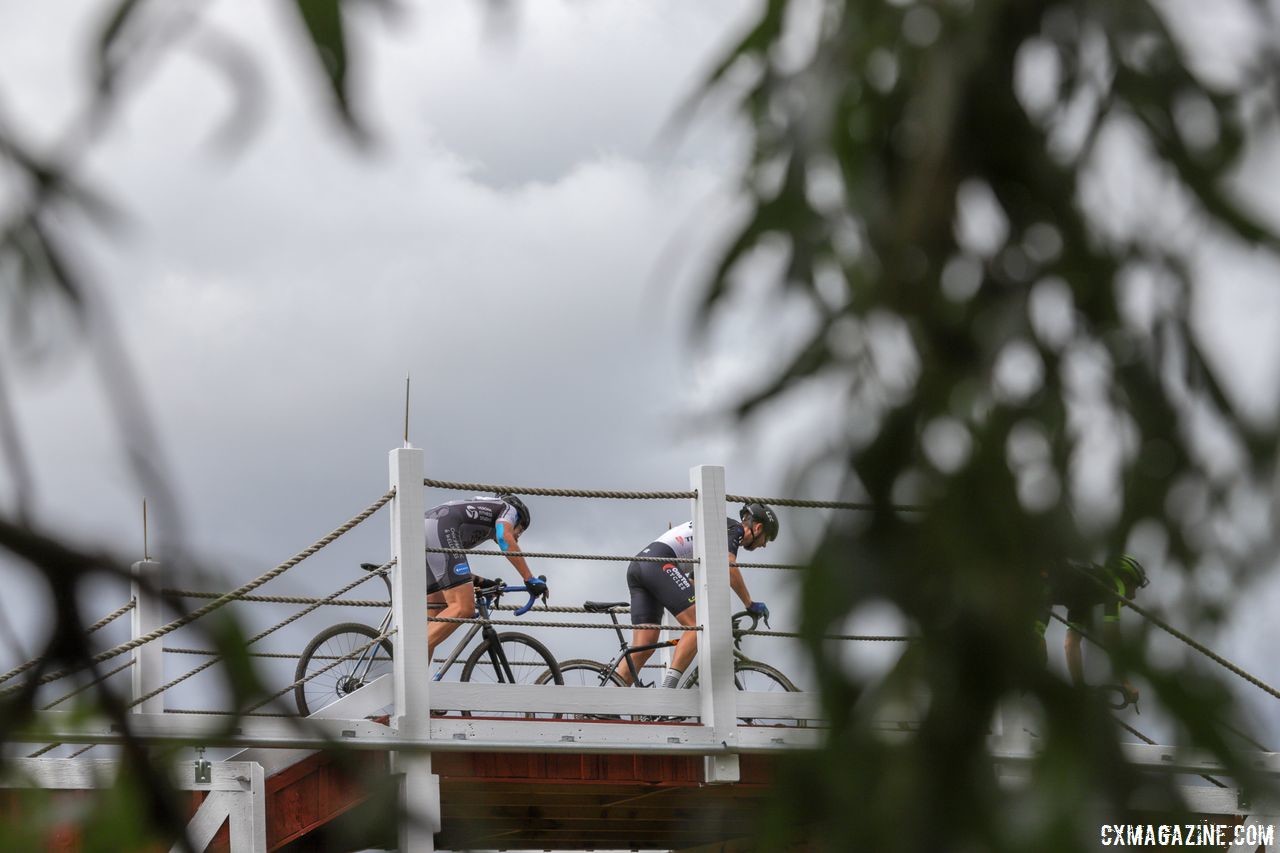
(746, 675)
(330, 685)
(528, 659)
(581, 672)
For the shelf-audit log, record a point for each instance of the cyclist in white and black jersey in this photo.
(464, 525)
(658, 585)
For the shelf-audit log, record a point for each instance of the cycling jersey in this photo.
(1075, 586)
(658, 585)
(463, 525)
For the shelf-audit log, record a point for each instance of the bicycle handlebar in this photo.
(1117, 696)
(746, 614)
(495, 588)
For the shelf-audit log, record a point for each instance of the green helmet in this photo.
(1129, 570)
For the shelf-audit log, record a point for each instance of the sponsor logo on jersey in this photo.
(461, 569)
(471, 512)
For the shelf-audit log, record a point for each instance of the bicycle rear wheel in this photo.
(580, 672)
(334, 666)
(528, 662)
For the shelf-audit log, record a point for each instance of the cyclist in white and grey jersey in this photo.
(662, 585)
(463, 525)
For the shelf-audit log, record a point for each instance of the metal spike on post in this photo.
(406, 410)
(146, 551)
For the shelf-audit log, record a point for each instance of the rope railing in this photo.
(282, 599)
(224, 600)
(56, 702)
(378, 572)
(493, 552)
(801, 503)
(96, 626)
(534, 623)
(606, 494)
(558, 493)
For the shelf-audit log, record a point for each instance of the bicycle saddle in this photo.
(603, 606)
(370, 567)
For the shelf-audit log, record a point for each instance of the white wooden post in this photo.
(147, 616)
(247, 813)
(411, 661)
(715, 642)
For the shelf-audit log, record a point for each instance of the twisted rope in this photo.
(221, 601)
(558, 493)
(381, 570)
(56, 702)
(212, 653)
(1169, 629)
(806, 504)
(108, 619)
(101, 623)
(281, 599)
(788, 566)
(885, 638)
(623, 495)
(490, 552)
(533, 623)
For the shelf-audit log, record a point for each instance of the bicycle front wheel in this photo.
(515, 659)
(580, 672)
(754, 677)
(337, 662)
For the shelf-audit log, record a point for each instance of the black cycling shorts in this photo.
(655, 586)
(445, 570)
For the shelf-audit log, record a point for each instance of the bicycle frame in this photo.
(497, 656)
(627, 650)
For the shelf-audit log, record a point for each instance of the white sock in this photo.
(672, 677)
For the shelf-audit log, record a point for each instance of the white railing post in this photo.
(715, 642)
(147, 616)
(410, 659)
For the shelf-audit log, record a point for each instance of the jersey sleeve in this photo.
(505, 520)
(735, 537)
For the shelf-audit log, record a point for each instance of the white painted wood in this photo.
(207, 820)
(716, 690)
(373, 696)
(247, 814)
(411, 664)
(147, 616)
(78, 774)
(409, 592)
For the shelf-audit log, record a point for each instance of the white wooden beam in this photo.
(717, 693)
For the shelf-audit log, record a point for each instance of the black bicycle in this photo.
(748, 675)
(363, 654)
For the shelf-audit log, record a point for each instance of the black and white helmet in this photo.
(521, 510)
(763, 514)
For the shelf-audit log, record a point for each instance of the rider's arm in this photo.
(737, 583)
(511, 547)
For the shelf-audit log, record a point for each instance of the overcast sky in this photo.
(522, 239)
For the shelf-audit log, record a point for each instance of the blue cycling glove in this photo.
(536, 586)
(759, 608)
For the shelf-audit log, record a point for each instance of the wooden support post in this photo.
(147, 616)
(715, 642)
(420, 792)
